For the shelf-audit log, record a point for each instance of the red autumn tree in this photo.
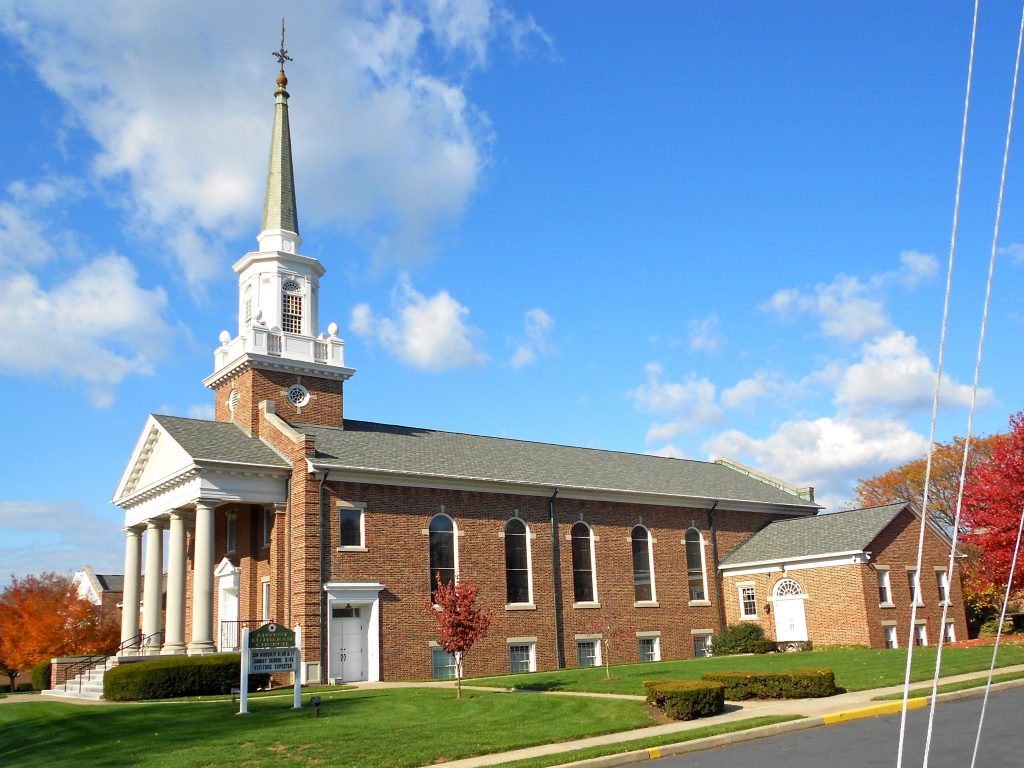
(993, 504)
(460, 622)
(42, 617)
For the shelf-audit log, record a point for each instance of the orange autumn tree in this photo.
(906, 482)
(459, 621)
(42, 617)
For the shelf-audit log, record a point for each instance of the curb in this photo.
(886, 708)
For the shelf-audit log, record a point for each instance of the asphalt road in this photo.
(873, 742)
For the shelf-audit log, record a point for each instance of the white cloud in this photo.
(690, 402)
(429, 333)
(201, 411)
(762, 384)
(829, 453)
(536, 326)
(59, 536)
(1015, 251)
(668, 451)
(916, 266)
(894, 376)
(705, 335)
(179, 100)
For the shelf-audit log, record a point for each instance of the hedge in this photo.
(741, 638)
(41, 676)
(22, 687)
(686, 699)
(794, 684)
(177, 676)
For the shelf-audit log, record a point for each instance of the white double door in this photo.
(348, 647)
(790, 619)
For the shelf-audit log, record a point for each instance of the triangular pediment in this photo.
(225, 568)
(157, 457)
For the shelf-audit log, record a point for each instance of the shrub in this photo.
(41, 676)
(687, 699)
(178, 676)
(991, 627)
(741, 638)
(794, 684)
(799, 646)
(651, 686)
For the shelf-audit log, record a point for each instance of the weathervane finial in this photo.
(282, 54)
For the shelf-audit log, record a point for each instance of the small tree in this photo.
(614, 634)
(460, 622)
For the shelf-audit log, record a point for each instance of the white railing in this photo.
(274, 344)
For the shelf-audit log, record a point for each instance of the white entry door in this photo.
(790, 619)
(348, 644)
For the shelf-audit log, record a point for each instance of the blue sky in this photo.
(688, 229)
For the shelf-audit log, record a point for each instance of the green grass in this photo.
(388, 728)
(661, 741)
(963, 685)
(856, 669)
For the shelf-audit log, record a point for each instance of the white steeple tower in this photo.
(278, 288)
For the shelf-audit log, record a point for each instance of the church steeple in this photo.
(279, 211)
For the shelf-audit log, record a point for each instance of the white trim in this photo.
(653, 601)
(703, 566)
(739, 593)
(596, 602)
(822, 560)
(529, 604)
(350, 506)
(455, 547)
(361, 593)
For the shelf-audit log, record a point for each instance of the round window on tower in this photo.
(291, 285)
(233, 400)
(298, 395)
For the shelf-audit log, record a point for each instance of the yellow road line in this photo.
(888, 708)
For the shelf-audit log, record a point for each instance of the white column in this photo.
(130, 598)
(152, 598)
(174, 637)
(202, 582)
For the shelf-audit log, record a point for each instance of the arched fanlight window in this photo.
(643, 576)
(695, 565)
(442, 551)
(517, 562)
(584, 576)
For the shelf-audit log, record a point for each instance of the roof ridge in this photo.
(300, 427)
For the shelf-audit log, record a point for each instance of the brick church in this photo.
(283, 509)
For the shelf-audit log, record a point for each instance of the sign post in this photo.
(271, 648)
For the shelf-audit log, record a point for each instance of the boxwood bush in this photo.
(177, 676)
(686, 699)
(794, 684)
(41, 676)
(741, 638)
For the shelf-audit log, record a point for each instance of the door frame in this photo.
(790, 600)
(359, 594)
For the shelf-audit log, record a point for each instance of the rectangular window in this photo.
(265, 601)
(442, 664)
(701, 646)
(346, 612)
(649, 649)
(943, 584)
(247, 321)
(588, 653)
(920, 635)
(890, 637)
(914, 582)
(950, 633)
(350, 527)
(291, 313)
(884, 590)
(748, 603)
(268, 526)
(521, 657)
(231, 543)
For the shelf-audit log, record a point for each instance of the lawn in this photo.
(856, 669)
(383, 729)
(963, 685)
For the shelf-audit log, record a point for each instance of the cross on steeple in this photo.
(282, 54)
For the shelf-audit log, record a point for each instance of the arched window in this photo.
(787, 588)
(517, 562)
(584, 583)
(695, 565)
(643, 578)
(442, 551)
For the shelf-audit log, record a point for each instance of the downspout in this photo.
(556, 583)
(320, 586)
(288, 551)
(719, 597)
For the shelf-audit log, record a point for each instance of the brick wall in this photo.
(254, 386)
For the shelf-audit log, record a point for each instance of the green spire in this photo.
(279, 211)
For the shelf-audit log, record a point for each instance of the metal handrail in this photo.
(79, 668)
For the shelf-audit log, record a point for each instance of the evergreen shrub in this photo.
(741, 638)
(687, 699)
(793, 684)
(177, 676)
(41, 676)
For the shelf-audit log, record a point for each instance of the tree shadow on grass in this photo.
(540, 686)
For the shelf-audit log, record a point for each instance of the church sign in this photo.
(271, 648)
(272, 636)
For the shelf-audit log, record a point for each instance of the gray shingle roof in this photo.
(849, 531)
(110, 582)
(219, 441)
(369, 446)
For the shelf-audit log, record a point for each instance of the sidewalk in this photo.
(825, 711)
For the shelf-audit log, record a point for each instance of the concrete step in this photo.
(58, 693)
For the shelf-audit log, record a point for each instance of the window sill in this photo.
(520, 607)
(646, 604)
(699, 603)
(887, 605)
(588, 604)
(755, 617)
(352, 549)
